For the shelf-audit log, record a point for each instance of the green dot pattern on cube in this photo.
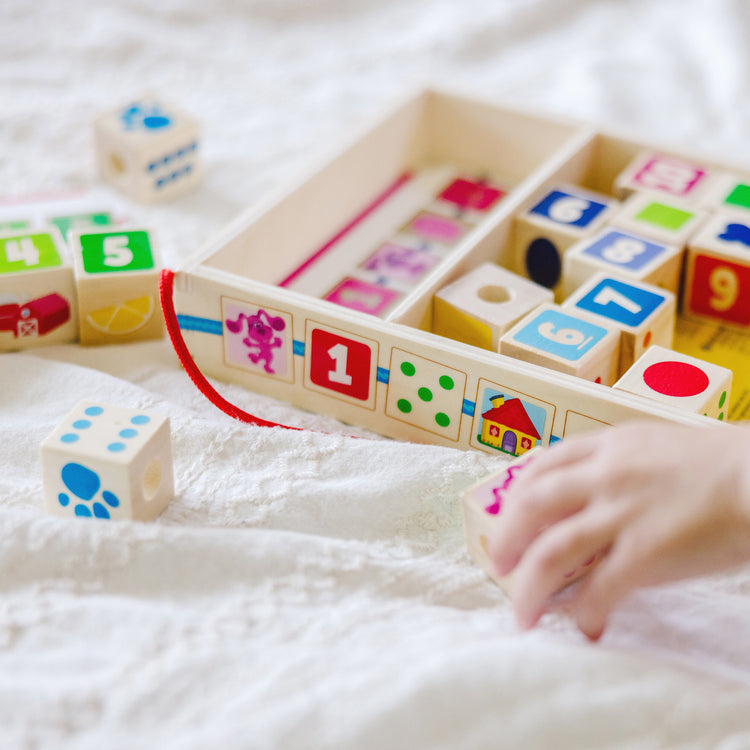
(722, 399)
(116, 252)
(663, 216)
(404, 405)
(28, 252)
(740, 196)
(425, 394)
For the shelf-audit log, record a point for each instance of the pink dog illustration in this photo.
(260, 339)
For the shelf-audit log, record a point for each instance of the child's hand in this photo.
(663, 502)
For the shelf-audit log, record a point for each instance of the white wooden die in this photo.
(482, 504)
(108, 462)
(717, 273)
(679, 380)
(483, 304)
(148, 149)
(623, 254)
(644, 314)
(37, 290)
(117, 277)
(664, 176)
(667, 220)
(555, 220)
(568, 341)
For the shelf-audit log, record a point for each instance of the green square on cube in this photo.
(114, 252)
(666, 217)
(27, 252)
(740, 196)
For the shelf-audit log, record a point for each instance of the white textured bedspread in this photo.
(308, 589)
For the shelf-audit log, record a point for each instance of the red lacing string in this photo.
(166, 291)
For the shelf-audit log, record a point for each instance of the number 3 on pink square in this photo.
(341, 364)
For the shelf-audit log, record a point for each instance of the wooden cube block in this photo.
(106, 461)
(483, 304)
(482, 504)
(679, 380)
(663, 220)
(37, 290)
(717, 273)
(117, 276)
(623, 254)
(568, 341)
(664, 176)
(556, 220)
(645, 314)
(148, 149)
(467, 199)
(729, 194)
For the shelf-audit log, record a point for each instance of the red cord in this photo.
(166, 291)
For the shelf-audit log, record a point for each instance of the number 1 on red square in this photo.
(340, 364)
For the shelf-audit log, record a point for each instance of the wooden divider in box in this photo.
(251, 304)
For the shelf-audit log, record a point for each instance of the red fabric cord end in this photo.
(166, 292)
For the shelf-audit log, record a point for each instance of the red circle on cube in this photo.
(679, 379)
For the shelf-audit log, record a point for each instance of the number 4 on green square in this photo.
(112, 252)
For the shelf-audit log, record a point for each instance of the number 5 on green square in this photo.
(112, 252)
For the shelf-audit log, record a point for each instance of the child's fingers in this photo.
(554, 555)
(619, 573)
(553, 498)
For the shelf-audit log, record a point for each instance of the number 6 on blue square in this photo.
(567, 341)
(644, 313)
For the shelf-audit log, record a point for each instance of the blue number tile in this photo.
(624, 250)
(566, 208)
(621, 302)
(560, 334)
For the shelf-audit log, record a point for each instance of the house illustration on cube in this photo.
(508, 427)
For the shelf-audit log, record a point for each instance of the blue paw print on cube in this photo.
(89, 460)
(84, 484)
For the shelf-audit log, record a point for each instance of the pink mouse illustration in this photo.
(260, 339)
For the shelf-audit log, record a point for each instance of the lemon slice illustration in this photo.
(123, 318)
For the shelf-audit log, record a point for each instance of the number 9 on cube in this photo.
(117, 275)
(717, 273)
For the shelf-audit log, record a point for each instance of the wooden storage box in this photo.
(251, 305)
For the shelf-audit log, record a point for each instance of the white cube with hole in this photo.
(148, 149)
(680, 380)
(117, 278)
(109, 462)
(483, 304)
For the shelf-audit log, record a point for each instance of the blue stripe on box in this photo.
(383, 375)
(203, 325)
(468, 407)
(298, 347)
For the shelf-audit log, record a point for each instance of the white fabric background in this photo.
(308, 590)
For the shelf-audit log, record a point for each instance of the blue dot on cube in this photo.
(63, 499)
(100, 511)
(69, 437)
(93, 411)
(140, 419)
(111, 499)
(128, 433)
(83, 510)
(82, 424)
(543, 262)
(116, 447)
